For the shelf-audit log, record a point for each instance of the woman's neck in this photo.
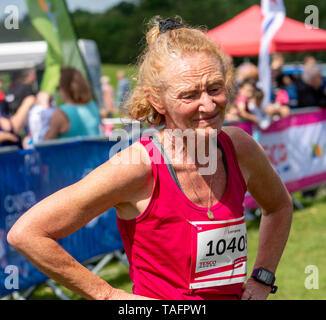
(193, 147)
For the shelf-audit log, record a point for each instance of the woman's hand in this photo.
(253, 290)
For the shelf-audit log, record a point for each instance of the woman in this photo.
(183, 231)
(79, 115)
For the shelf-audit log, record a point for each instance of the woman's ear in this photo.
(154, 100)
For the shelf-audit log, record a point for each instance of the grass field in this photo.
(111, 70)
(306, 246)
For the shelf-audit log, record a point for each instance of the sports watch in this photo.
(265, 277)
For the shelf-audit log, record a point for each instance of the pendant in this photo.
(210, 215)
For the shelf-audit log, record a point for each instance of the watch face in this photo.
(265, 276)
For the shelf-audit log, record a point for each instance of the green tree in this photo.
(119, 32)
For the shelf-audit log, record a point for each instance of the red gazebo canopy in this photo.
(241, 35)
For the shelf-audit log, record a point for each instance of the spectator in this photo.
(123, 88)
(108, 98)
(309, 61)
(246, 71)
(245, 92)
(280, 107)
(286, 92)
(21, 87)
(39, 117)
(79, 115)
(311, 91)
(249, 103)
(255, 107)
(276, 67)
(11, 126)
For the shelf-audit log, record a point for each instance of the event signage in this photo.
(296, 147)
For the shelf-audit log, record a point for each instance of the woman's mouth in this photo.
(209, 118)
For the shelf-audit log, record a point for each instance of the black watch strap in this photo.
(265, 277)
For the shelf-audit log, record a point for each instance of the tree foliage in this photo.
(120, 31)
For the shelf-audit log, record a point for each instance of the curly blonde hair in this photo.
(161, 47)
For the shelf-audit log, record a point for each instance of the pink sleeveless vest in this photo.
(175, 251)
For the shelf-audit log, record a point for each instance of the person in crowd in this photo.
(22, 85)
(245, 92)
(277, 63)
(249, 103)
(181, 222)
(309, 61)
(10, 127)
(311, 91)
(39, 117)
(108, 98)
(255, 107)
(123, 90)
(79, 115)
(246, 71)
(286, 92)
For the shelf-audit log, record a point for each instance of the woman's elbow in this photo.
(18, 236)
(14, 237)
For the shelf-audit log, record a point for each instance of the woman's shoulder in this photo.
(244, 145)
(133, 163)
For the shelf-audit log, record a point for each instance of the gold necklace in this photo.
(209, 211)
(210, 214)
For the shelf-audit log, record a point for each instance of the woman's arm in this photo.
(36, 233)
(59, 124)
(266, 187)
(18, 120)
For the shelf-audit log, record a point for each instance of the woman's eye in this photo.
(192, 95)
(214, 90)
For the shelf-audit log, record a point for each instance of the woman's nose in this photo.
(206, 103)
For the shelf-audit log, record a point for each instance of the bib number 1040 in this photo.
(220, 246)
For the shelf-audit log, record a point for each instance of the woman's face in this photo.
(194, 95)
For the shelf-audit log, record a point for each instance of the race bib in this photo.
(219, 253)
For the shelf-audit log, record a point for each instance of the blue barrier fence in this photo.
(28, 176)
